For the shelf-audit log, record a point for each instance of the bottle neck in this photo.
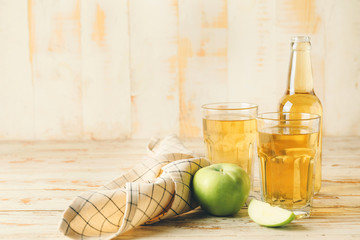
(300, 79)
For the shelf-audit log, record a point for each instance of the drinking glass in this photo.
(230, 133)
(288, 145)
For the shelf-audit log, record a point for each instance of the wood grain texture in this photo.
(39, 180)
(16, 89)
(342, 68)
(202, 60)
(259, 47)
(56, 65)
(105, 69)
(118, 69)
(153, 61)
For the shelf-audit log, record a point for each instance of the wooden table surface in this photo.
(39, 179)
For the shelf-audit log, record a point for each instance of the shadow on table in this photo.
(196, 219)
(291, 227)
(200, 220)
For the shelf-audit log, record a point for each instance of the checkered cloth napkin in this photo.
(156, 189)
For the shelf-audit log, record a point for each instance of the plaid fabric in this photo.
(156, 189)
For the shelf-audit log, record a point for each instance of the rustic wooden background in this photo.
(111, 69)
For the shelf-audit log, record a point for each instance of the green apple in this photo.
(221, 189)
(266, 215)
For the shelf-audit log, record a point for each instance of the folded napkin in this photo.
(156, 189)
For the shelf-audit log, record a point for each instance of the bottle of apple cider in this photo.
(300, 95)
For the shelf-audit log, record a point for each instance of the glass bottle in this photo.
(300, 95)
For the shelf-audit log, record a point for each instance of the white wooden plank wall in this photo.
(16, 85)
(202, 59)
(113, 69)
(55, 58)
(153, 67)
(105, 69)
(342, 68)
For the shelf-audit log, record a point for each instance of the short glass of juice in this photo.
(288, 145)
(229, 131)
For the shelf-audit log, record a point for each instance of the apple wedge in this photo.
(264, 214)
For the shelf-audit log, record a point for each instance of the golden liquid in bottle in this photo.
(287, 157)
(300, 95)
(306, 103)
(230, 139)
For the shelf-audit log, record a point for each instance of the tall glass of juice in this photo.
(229, 131)
(288, 146)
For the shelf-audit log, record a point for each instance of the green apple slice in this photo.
(264, 214)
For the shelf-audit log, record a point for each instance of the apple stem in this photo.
(221, 170)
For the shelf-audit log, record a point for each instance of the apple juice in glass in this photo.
(288, 147)
(229, 131)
